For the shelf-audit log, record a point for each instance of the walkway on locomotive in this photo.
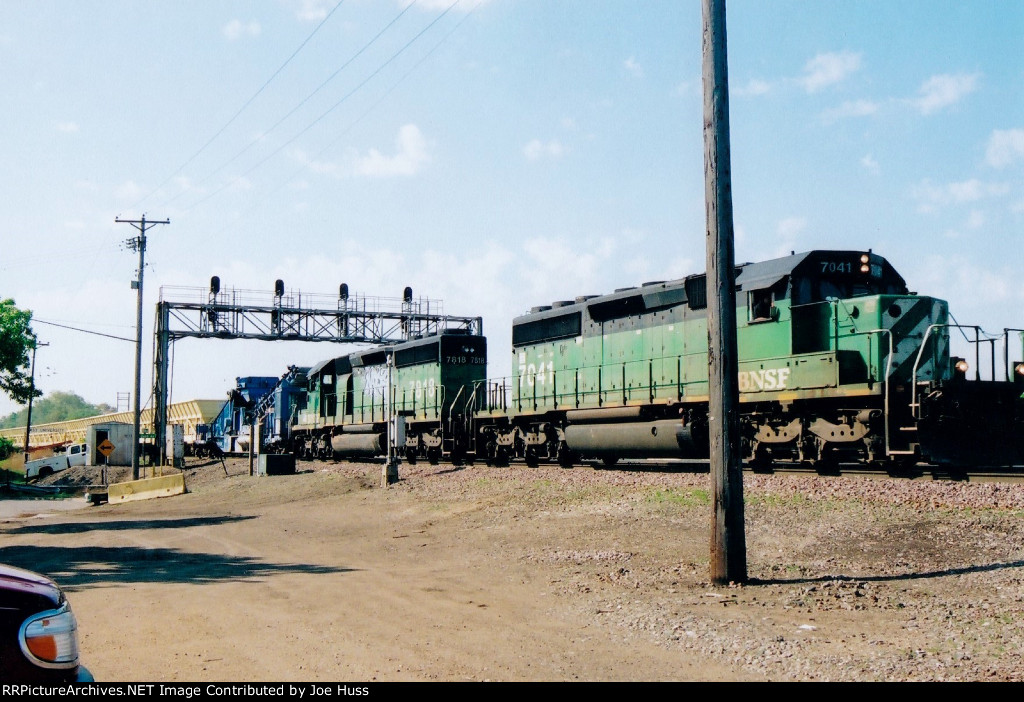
(810, 325)
(428, 377)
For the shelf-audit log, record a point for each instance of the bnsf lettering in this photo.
(759, 380)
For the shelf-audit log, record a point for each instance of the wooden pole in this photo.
(728, 542)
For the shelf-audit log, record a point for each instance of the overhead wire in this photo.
(323, 115)
(242, 109)
(263, 201)
(84, 331)
(298, 106)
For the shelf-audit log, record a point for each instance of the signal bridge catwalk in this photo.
(184, 312)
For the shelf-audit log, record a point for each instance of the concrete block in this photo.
(147, 488)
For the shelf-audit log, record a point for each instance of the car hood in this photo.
(15, 580)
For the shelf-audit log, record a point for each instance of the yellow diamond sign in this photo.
(106, 448)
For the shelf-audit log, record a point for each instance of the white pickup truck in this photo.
(73, 455)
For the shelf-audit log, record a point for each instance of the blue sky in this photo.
(495, 155)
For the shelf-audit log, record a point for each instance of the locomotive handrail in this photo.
(914, 405)
(1006, 350)
(885, 399)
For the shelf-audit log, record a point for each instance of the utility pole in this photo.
(728, 541)
(31, 394)
(138, 243)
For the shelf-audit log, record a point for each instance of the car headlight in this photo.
(50, 639)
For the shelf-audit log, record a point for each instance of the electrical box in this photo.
(275, 464)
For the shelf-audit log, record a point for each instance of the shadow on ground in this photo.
(82, 527)
(90, 566)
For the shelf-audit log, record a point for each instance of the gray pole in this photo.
(728, 542)
(139, 243)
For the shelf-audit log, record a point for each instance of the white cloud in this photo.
(66, 127)
(791, 226)
(828, 69)
(788, 233)
(930, 196)
(944, 90)
(975, 220)
(465, 6)
(312, 10)
(411, 154)
(633, 67)
(236, 28)
(850, 108)
(1004, 147)
(536, 149)
(869, 163)
(240, 184)
(753, 87)
(129, 190)
(320, 167)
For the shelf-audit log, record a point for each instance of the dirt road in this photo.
(483, 573)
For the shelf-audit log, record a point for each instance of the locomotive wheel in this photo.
(609, 461)
(565, 456)
(531, 457)
(501, 457)
(410, 456)
(761, 462)
(434, 455)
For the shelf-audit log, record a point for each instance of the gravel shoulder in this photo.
(483, 573)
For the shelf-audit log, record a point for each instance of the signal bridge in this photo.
(291, 315)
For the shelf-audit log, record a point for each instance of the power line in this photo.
(331, 109)
(84, 331)
(241, 109)
(295, 109)
(344, 132)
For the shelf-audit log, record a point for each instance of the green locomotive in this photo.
(349, 402)
(838, 361)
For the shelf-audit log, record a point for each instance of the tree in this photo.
(16, 341)
(56, 407)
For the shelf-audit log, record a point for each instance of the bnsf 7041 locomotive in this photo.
(838, 361)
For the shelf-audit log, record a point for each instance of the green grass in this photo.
(694, 497)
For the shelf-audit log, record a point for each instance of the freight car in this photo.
(838, 362)
(422, 384)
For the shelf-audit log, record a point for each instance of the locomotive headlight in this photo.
(1018, 369)
(865, 263)
(961, 366)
